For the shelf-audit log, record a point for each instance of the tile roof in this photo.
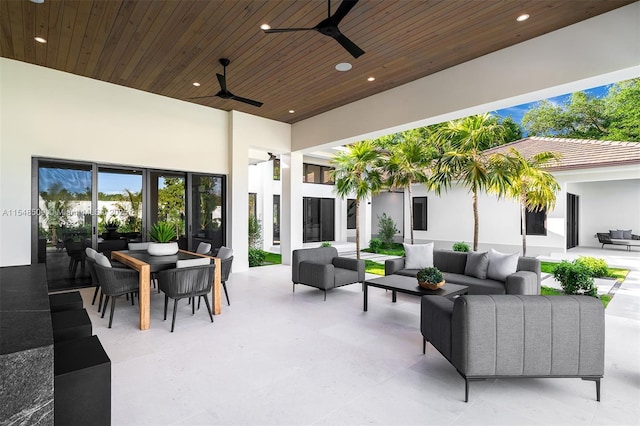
(576, 153)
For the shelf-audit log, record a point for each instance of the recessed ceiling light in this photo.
(343, 66)
(265, 27)
(371, 79)
(40, 40)
(195, 83)
(522, 17)
(291, 111)
(37, 1)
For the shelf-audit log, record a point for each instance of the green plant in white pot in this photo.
(163, 235)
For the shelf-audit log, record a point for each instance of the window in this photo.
(276, 219)
(312, 173)
(276, 169)
(536, 222)
(318, 219)
(420, 213)
(351, 214)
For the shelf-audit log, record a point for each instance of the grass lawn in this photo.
(396, 249)
(272, 259)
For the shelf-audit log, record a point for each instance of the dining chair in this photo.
(115, 282)
(76, 253)
(189, 279)
(203, 248)
(225, 254)
(91, 262)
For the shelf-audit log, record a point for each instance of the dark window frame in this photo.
(321, 176)
(424, 216)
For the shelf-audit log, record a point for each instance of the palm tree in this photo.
(461, 143)
(533, 187)
(355, 171)
(406, 164)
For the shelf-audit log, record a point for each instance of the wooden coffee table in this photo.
(409, 285)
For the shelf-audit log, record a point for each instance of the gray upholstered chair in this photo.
(115, 282)
(189, 279)
(322, 268)
(91, 262)
(203, 248)
(508, 336)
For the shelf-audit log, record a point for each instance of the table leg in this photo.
(144, 296)
(366, 295)
(216, 289)
(393, 296)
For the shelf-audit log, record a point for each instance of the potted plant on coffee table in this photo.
(163, 235)
(430, 278)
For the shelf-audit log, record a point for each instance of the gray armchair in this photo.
(322, 268)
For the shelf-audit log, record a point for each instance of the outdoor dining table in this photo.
(145, 264)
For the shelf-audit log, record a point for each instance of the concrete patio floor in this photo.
(275, 357)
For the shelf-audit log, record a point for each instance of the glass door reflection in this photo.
(64, 223)
(206, 215)
(167, 202)
(119, 208)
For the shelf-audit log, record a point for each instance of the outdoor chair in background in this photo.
(75, 251)
(203, 248)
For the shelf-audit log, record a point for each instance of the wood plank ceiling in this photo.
(164, 46)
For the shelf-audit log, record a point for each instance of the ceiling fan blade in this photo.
(350, 46)
(223, 82)
(286, 30)
(246, 101)
(341, 12)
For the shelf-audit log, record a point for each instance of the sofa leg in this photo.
(325, 295)
(597, 380)
(294, 287)
(424, 346)
(466, 390)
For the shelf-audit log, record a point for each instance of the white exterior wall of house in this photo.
(609, 199)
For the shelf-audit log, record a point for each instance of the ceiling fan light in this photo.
(522, 17)
(265, 27)
(343, 66)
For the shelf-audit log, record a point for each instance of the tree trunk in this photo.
(523, 221)
(475, 220)
(358, 228)
(410, 212)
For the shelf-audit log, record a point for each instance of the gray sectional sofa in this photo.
(458, 270)
(509, 336)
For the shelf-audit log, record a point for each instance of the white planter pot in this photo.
(162, 249)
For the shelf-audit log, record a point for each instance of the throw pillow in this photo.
(615, 234)
(103, 260)
(626, 234)
(418, 256)
(501, 265)
(91, 253)
(477, 264)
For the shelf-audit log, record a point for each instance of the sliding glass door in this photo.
(65, 222)
(318, 219)
(84, 205)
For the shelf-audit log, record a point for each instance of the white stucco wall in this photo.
(48, 113)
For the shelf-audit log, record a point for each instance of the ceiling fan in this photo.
(329, 27)
(224, 93)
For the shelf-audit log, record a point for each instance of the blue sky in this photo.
(518, 111)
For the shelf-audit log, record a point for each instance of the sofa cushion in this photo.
(450, 261)
(418, 256)
(476, 285)
(501, 265)
(626, 234)
(477, 264)
(615, 234)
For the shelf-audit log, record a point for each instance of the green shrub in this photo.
(256, 257)
(325, 244)
(255, 232)
(162, 232)
(386, 229)
(461, 246)
(575, 278)
(598, 267)
(430, 275)
(375, 244)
